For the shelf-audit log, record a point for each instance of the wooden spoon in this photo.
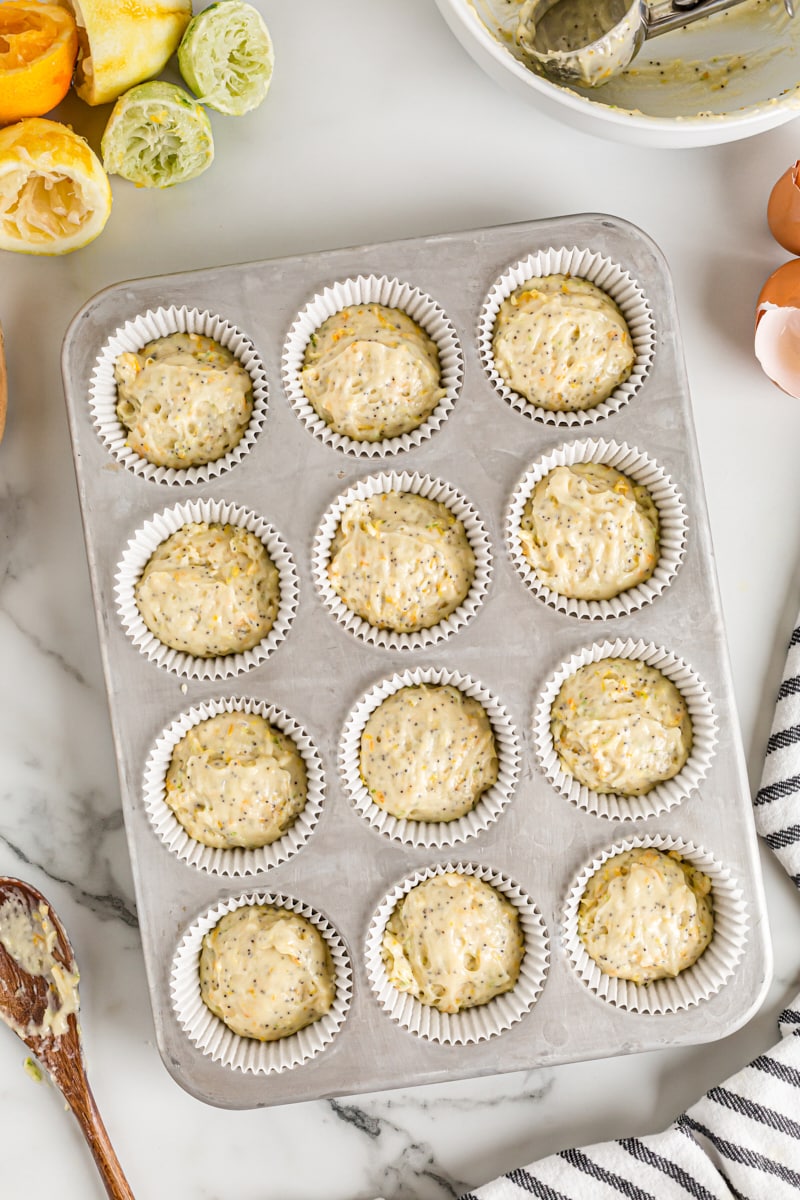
(39, 1001)
(3, 386)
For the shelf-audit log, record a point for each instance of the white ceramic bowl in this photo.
(726, 77)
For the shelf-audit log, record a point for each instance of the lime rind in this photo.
(157, 136)
(226, 57)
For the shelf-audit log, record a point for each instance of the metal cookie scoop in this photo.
(39, 1001)
(573, 41)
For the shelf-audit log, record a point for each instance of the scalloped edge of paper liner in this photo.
(663, 796)
(432, 489)
(484, 1021)
(137, 553)
(697, 983)
(210, 1035)
(431, 834)
(393, 293)
(137, 332)
(233, 861)
(611, 278)
(643, 470)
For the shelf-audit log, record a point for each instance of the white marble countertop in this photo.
(378, 126)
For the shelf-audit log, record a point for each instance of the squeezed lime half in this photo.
(226, 57)
(156, 136)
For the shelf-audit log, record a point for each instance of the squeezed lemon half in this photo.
(156, 136)
(123, 42)
(54, 194)
(226, 57)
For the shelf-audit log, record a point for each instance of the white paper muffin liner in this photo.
(373, 289)
(472, 1024)
(137, 554)
(610, 278)
(642, 470)
(135, 334)
(714, 967)
(431, 833)
(431, 489)
(235, 860)
(663, 796)
(213, 1037)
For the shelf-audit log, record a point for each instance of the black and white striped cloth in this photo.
(741, 1141)
(777, 803)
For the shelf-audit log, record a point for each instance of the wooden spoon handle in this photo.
(103, 1153)
(70, 1075)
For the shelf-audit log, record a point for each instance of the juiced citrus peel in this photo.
(54, 191)
(54, 194)
(124, 42)
(226, 57)
(38, 45)
(157, 135)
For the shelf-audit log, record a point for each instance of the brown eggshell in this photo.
(782, 288)
(777, 328)
(783, 210)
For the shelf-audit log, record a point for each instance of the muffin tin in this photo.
(318, 673)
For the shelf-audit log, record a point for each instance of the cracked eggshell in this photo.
(783, 210)
(777, 333)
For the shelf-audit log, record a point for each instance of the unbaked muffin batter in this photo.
(621, 726)
(590, 532)
(370, 372)
(29, 937)
(235, 780)
(184, 399)
(646, 915)
(428, 753)
(266, 972)
(209, 589)
(562, 343)
(453, 942)
(401, 561)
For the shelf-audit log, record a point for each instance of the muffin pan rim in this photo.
(289, 477)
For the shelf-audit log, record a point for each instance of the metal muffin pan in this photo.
(511, 647)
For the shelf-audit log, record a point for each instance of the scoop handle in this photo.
(665, 15)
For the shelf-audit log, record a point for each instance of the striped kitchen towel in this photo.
(741, 1141)
(777, 804)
